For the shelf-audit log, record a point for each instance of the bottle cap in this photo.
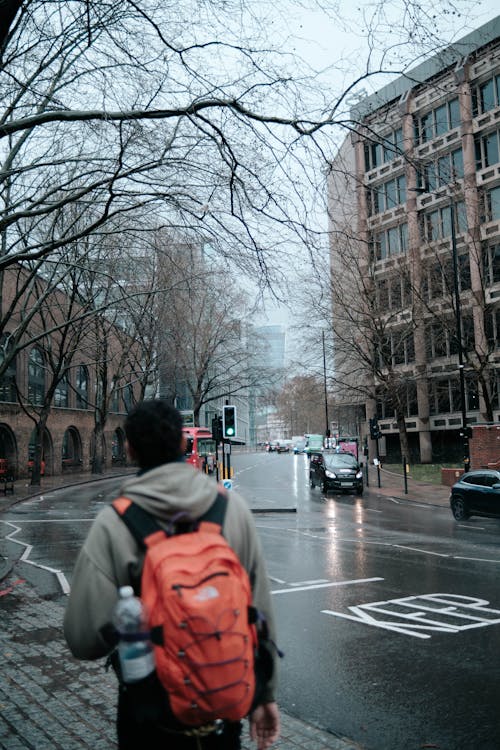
(126, 592)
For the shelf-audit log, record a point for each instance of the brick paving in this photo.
(50, 701)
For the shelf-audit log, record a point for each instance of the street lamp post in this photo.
(458, 324)
(327, 428)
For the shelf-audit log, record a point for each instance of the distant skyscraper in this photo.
(273, 352)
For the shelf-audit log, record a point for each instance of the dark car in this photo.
(336, 471)
(477, 493)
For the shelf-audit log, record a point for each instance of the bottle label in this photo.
(138, 667)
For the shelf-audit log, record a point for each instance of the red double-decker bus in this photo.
(200, 448)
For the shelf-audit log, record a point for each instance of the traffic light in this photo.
(375, 432)
(217, 429)
(229, 422)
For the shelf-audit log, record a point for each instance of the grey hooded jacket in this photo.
(110, 553)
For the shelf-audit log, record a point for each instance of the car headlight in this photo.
(330, 475)
(359, 475)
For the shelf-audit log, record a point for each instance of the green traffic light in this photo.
(230, 431)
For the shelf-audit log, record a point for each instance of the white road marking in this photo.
(324, 585)
(276, 580)
(63, 581)
(424, 551)
(308, 583)
(459, 613)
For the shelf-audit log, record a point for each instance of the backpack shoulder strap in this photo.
(141, 524)
(217, 511)
(147, 531)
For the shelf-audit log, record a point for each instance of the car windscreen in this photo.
(340, 461)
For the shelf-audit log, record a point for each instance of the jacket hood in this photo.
(170, 489)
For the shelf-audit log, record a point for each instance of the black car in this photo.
(336, 471)
(477, 493)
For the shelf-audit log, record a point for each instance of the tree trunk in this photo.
(403, 437)
(98, 458)
(36, 468)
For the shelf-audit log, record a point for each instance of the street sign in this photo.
(227, 484)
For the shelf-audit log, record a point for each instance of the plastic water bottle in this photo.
(134, 646)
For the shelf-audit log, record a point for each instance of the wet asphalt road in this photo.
(389, 613)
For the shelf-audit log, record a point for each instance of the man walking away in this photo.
(167, 488)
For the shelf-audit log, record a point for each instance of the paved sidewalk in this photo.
(50, 701)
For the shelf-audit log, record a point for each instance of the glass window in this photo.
(443, 170)
(443, 396)
(456, 394)
(446, 221)
(403, 230)
(82, 387)
(486, 96)
(401, 183)
(398, 348)
(383, 295)
(36, 377)
(410, 348)
(430, 177)
(495, 263)
(457, 162)
(491, 149)
(454, 113)
(441, 119)
(432, 225)
(393, 241)
(439, 340)
(464, 272)
(426, 128)
(8, 380)
(468, 332)
(494, 201)
(390, 193)
(398, 139)
(396, 294)
(61, 392)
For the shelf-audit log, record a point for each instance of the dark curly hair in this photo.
(154, 432)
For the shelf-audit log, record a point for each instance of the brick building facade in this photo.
(69, 435)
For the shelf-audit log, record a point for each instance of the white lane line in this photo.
(324, 585)
(424, 551)
(308, 583)
(475, 559)
(63, 581)
(276, 580)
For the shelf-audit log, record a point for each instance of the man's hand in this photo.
(265, 725)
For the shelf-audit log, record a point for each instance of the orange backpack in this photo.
(199, 602)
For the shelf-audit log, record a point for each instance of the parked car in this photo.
(477, 493)
(336, 471)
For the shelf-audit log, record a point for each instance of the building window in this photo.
(61, 393)
(36, 377)
(486, 96)
(82, 387)
(493, 204)
(447, 168)
(438, 121)
(492, 328)
(8, 379)
(387, 195)
(487, 150)
(385, 151)
(393, 241)
(437, 224)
